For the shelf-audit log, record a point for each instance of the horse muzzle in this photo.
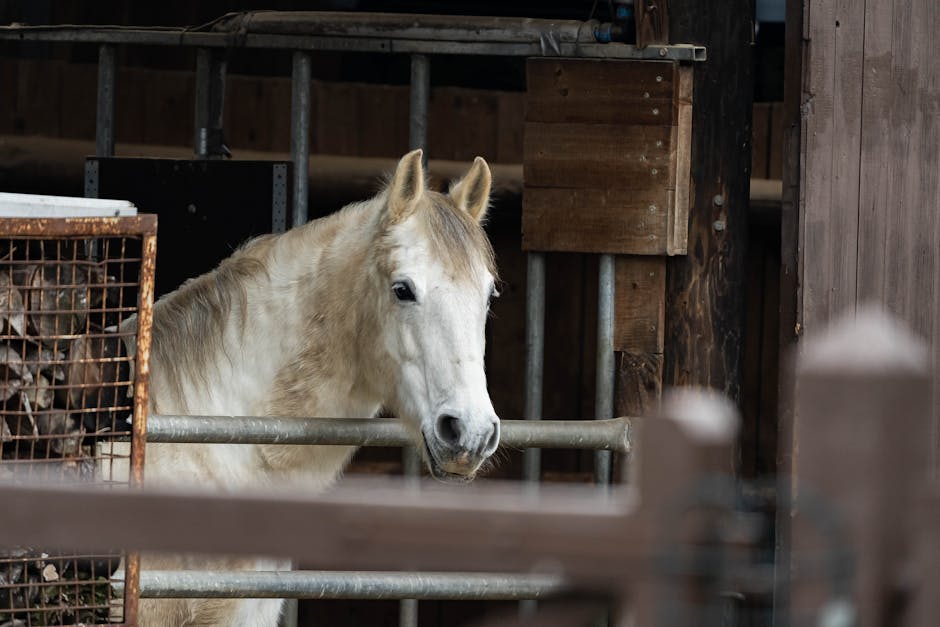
(456, 447)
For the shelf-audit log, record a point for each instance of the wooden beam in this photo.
(638, 333)
(652, 22)
(704, 301)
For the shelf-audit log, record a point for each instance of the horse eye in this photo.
(403, 292)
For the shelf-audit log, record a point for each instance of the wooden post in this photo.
(862, 417)
(789, 296)
(704, 305)
(652, 22)
(690, 441)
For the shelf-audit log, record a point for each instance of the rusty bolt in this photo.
(662, 52)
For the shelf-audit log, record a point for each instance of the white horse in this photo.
(382, 304)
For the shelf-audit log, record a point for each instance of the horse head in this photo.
(436, 275)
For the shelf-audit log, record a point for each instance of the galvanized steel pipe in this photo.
(535, 354)
(300, 134)
(604, 376)
(612, 434)
(181, 584)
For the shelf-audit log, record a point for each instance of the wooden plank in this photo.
(833, 137)
(877, 153)
(652, 22)
(38, 97)
(510, 122)
(8, 81)
(382, 121)
(639, 323)
(681, 158)
(337, 108)
(598, 156)
(130, 106)
(760, 140)
(704, 311)
(169, 112)
(775, 147)
(639, 382)
(77, 119)
(462, 123)
(245, 114)
(640, 306)
(790, 298)
(277, 99)
(594, 220)
(593, 91)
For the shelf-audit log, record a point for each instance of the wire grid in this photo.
(67, 369)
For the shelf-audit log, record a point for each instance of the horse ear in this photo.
(406, 187)
(472, 192)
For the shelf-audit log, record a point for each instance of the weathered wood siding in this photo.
(869, 228)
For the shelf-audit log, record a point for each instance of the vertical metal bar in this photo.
(534, 368)
(104, 123)
(419, 95)
(535, 355)
(208, 142)
(300, 133)
(408, 613)
(604, 378)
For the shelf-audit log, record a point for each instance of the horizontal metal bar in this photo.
(350, 43)
(327, 584)
(612, 435)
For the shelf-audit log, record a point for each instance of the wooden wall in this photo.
(869, 216)
(156, 107)
(355, 119)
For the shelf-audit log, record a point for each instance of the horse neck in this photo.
(323, 279)
(263, 332)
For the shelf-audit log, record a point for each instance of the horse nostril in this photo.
(448, 430)
(493, 442)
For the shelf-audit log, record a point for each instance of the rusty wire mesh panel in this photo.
(75, 302)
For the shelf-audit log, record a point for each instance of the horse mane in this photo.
(455, 237)
(197, 313)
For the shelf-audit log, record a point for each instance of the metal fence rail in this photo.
(608, 435)
(360, 585)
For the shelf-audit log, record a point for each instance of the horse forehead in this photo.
(412, 251)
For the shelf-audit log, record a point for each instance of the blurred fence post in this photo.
(689, 445)
(861, 458)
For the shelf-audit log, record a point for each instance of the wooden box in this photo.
(607, 156)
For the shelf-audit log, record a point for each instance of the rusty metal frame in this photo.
(143, 226)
